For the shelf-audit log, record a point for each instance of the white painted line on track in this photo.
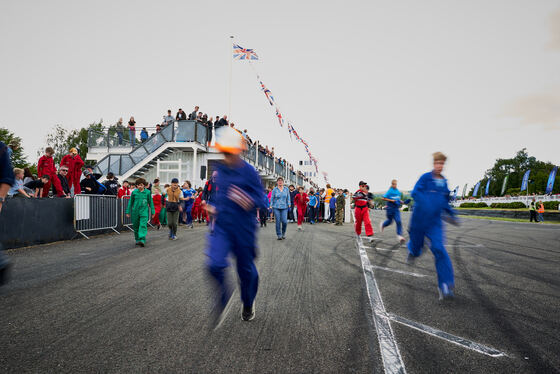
(387, 249)
(398, 271)
(390, 354)
(465, 343)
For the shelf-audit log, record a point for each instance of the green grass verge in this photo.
(506, 219)
(514, 210)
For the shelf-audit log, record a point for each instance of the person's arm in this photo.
(151, 202)
(22, 191)
(130, 203)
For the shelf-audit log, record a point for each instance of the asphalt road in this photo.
(104, 305)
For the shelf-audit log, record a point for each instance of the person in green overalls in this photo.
(140, 203)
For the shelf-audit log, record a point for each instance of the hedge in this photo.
(473, 205)
(551, 205)
(513, 205)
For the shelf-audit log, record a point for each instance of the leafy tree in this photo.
(57, 140)
(516, 167)
(61, 140)
(9, 138)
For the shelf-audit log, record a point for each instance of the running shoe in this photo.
(410, 259)
(299, 228)
(279, 238)
(174, 237)
(446, 293)
(248, 313)
(141, 244)
(401, 239)
(283, 238)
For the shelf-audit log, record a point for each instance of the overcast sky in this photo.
(374, 86)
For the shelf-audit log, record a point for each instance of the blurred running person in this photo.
(361, 211)
(431, 206)
(393, 199)
(239, 194)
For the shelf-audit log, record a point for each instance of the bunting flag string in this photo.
(248, 55)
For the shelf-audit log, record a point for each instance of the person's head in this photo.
(45, 179)
(291, 187)
(231, 144)
(18, 173)
(141, 184)
(49, 151)
(332, 193)
(280, 182)
(196, 108)
(110, 175)
(180, 110)
(125, 184)
(439, 162)
(27, 173)
(87, 173)
(168, 112)
(174, 183)
(394, 183)
(224, 117)
(300, 189)
(363, 185)
(143, 129)
(73, 151)
(167, 185)
(187, 184)
(328, 185)
(63, 170)
(120, 120)
(131, 119)
(156, 182)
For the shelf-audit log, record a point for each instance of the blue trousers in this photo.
(312, 211)
(281, 217)
(187, 209)
(394, 214)
(444, 267)
(241, 242)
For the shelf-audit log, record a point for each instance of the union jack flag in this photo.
(267, 93)
(280, 119)
(240, 53)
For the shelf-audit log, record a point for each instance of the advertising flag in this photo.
(455, 192)
(487, 187)
(504, 185)
(464, 191)
(476, 189)
(525, 180)
(551, 178)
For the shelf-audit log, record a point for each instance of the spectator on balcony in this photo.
(168, 119)
(124, 190)
(111, 185)
(18, 189)
(119, 128)
(194, 115)
(210, 125)
(221, 123)
(65, 190)
(205, 118)
(132, 131)
(158, 128)
(144, 135)
(89, 184)
(181, 115)
(36, 185)
(27, 176)
(199, 117)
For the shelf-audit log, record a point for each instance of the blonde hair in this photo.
(18, 171)
(438, 156)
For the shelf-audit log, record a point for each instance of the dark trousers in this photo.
(172, 221)
(312, 211)
(533, 216)
(291, 213)
(263, 215)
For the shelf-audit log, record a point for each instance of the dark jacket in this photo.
(112, 187)
(181, 116)
(220, 123)
(64, 185)
(91, 183)
(6, 171)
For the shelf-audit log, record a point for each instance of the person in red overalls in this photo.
(361, 212)
(74, 163)
(156, 197)
(124, 190)
(197, 206)
(45, 166)
(300, 201)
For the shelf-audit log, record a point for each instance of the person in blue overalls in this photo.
(431, 206)
(239, 193)
(393, 199)
(188, 195)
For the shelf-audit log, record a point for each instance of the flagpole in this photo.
(230, 75)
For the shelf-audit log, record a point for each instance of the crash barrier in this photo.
(525, 199)
(517, 214)
(95, 212)
(25, 222)
(127, 221)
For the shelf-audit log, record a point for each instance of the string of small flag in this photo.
(240, 53)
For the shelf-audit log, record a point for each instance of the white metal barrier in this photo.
(509, 199)
(95, 212)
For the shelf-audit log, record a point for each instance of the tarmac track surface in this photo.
(103, 305)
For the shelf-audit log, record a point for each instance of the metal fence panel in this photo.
(95, 212)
